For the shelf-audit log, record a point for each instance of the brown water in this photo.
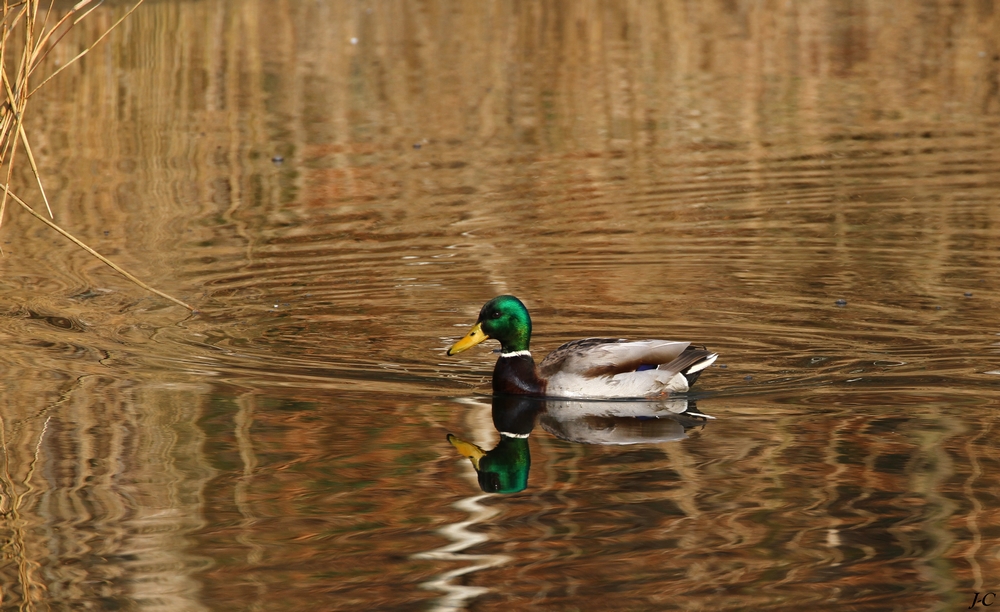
(718, 172)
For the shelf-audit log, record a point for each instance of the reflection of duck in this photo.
(589, 368)
(504, 469)
(620, 423)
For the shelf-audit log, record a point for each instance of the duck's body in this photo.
(595, 368)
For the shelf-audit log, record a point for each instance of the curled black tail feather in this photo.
(691, 363)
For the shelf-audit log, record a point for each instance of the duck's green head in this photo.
(503, 318)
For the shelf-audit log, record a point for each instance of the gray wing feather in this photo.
(594, 357)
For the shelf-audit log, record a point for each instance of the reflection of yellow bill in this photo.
(471, 339)
(467, 449)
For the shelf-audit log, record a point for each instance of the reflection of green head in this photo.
(501, 470)
(505, 468)
(506, 319)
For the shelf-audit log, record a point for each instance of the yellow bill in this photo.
(471, 339)
(467, 449)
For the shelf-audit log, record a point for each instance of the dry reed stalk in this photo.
(83, 246)
(38, 41)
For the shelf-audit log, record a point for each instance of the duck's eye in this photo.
(495, 314)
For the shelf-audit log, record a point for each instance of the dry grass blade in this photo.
(34, 169)
(10, 169)
(38, 42)
(48, 12)
(15, 106)
(104, 259)
(87, 50)
(43, 47)
(15, 103)
(9, 26)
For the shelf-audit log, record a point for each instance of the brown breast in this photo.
(517, 376)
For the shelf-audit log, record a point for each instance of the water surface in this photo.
(811, 191)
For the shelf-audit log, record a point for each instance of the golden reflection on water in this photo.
(339, 186)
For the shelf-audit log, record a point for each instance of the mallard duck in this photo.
(595, 368)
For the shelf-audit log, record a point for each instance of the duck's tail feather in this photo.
(691, 363)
